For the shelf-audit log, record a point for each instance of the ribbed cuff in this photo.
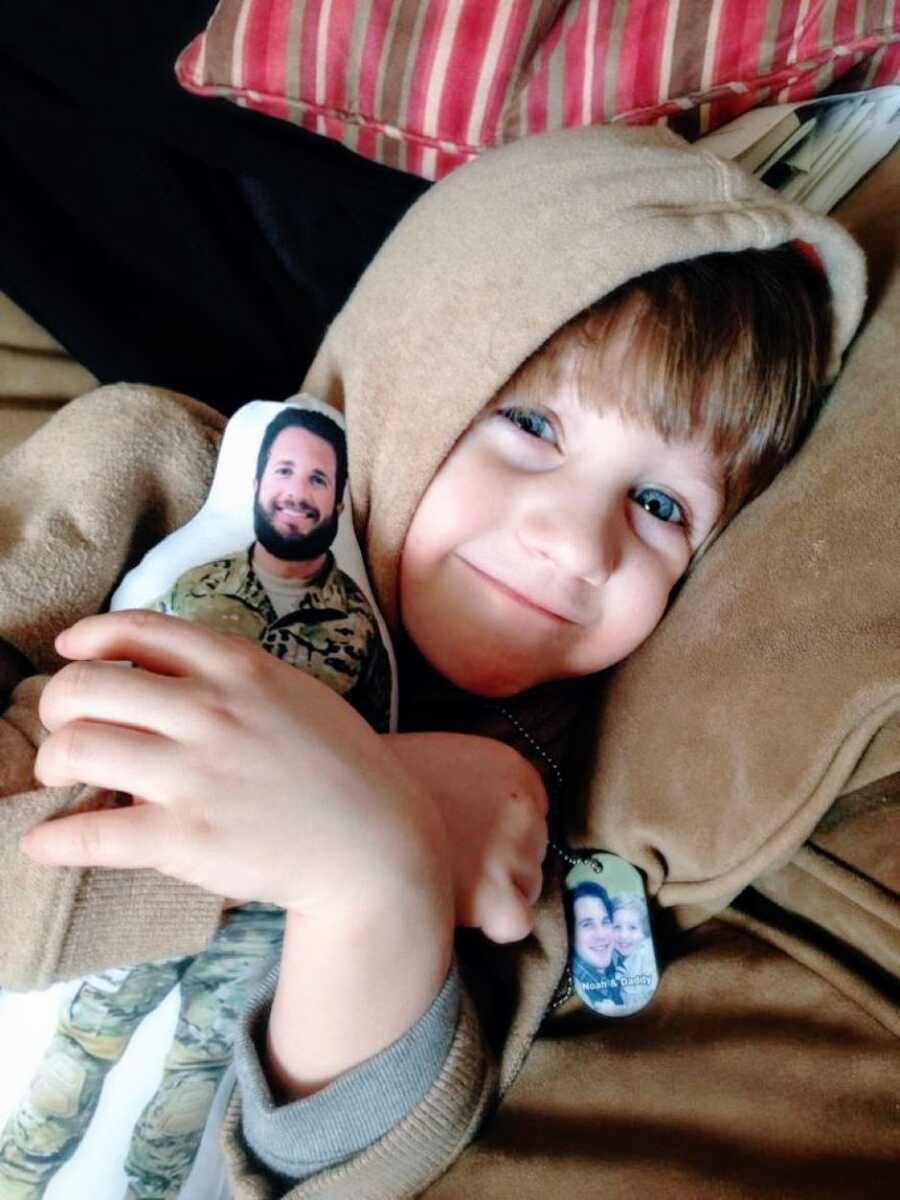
(123, 917)
(64, 922)
(356, 1109)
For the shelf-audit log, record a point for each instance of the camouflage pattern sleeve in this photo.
(164, 603)
(371, 694)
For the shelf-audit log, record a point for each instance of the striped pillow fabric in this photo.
(424, 85)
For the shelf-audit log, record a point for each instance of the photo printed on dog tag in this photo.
(612, 962)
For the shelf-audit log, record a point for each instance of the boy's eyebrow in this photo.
(715, 489)
(705, 476)
(709, 473)
(713, 481)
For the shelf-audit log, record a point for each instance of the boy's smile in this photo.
(547, 544)
(551, 613)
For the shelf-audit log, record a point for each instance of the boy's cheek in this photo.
(469, 637)
(616, 635)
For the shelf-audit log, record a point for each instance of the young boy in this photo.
(526, 516)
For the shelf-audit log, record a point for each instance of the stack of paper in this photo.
(813, 152)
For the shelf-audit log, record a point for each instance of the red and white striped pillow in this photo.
(424, 85)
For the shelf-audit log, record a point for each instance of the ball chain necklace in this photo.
(565, 989)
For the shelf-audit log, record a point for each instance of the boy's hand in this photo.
(258, 781)
(494, 806)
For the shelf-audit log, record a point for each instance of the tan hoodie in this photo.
(788, 690)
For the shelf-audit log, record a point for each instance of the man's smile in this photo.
(294, 515)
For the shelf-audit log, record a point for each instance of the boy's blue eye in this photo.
(659, 505)
(529, 420)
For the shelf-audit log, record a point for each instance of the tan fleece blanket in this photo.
(61, 553)
(765, 1067)
(773, 685)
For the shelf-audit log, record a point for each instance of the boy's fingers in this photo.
(121, 837)
(103, 691)
(163, 644)
(530, 883)
(510, 921)
(105, 756)
(501, 911)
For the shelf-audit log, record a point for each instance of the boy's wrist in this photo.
(357, 982)
(398, 851)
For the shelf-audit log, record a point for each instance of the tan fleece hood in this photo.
(493, 260)
(771, 688)
(720, 745)
(769, 696)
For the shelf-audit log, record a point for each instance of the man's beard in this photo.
(293, 547)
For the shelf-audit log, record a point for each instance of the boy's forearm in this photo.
(350, 987)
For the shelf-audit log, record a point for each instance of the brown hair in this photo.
(731, 347)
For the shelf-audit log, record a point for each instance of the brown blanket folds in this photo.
(61, 553)
(762, 715)
(767, 1065)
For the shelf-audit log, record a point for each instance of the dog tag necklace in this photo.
(612, 966)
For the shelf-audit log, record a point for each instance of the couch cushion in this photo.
(36, 375)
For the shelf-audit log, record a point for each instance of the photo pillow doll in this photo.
(271, 557)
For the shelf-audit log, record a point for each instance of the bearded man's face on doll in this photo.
(295, 511)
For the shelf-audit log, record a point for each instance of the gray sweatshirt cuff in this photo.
(298, 1139)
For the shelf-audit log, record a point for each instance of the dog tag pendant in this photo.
(612, 962)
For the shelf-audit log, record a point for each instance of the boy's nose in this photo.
(580, 542)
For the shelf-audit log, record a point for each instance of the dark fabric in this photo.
(160, 237)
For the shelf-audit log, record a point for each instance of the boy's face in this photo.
(547, 544)
(628, 929)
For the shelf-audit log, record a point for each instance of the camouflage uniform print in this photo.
(333, 634)
(95, 1029)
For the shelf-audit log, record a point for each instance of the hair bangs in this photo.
(728, 348)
